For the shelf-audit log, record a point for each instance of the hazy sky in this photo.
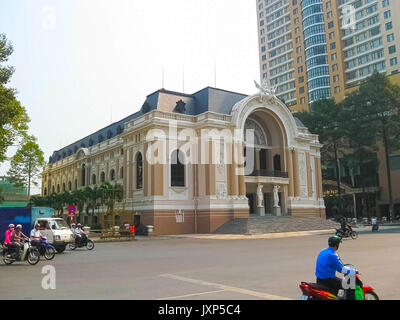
(82, 63)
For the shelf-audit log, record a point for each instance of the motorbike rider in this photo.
(36, 236)
(374, 223)
(8, 242)
(328, 263)
(17, 237)
(79, 234)
(344, 226)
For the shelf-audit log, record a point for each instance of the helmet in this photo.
(72, 224)
(37, 225)
(11, 225)
(79, 225)
(18, 226)
(334, 241)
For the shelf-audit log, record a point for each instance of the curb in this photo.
(98, 240)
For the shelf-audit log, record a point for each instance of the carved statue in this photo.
(260, 195)
(266, 91)
(276, 196)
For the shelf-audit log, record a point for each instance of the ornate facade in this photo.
(190, 163)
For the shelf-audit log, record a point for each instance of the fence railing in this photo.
(269, 173)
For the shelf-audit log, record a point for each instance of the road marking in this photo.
(190, 295)
(253, 293)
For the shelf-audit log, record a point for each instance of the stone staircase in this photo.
(272, 224)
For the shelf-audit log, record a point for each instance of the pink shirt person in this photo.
(8, 237)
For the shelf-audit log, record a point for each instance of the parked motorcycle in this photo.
(29, 253)
(46, 249)
(82, 242)
(347, 234)
(314, 291)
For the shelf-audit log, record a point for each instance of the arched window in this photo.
(177, 170)
(45, 191)
(69, 186)
(121, 173)
(64, 187)
(112, 175)
(139, 171)
(83, 175)
(76, 184)
(58, 188)
(93, 179)
(102, 177)
(52, 189)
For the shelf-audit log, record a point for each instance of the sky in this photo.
(82, 64)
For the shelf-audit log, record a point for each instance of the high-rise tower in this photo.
(313, 49)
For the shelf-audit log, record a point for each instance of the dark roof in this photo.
(207, 99)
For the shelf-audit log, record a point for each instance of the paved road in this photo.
(188, 268)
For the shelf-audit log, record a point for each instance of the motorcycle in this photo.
(314, 291)
(349, 232)
(29, 253)
(82, 242)
(46, 250)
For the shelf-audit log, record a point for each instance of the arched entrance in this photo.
(265, 141)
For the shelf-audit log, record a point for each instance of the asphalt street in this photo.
(192, 269)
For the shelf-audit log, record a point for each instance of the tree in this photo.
(14, 119)
(325, 119)
(27, 164)
(93, 196)
(78, 198)
(1, 196)
(376, 113)
(110, 194)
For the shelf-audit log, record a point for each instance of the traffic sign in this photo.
(71, 210)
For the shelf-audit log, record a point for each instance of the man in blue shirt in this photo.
(328, 263)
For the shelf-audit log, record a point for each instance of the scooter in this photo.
(46, 249)
(82, 242)
(29, 253)
(314, 291)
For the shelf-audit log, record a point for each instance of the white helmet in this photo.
(18, 226)
(11, 225)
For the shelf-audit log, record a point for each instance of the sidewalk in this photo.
(275, 235)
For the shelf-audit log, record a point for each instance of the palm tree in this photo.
(92, 196)
(109, 195)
